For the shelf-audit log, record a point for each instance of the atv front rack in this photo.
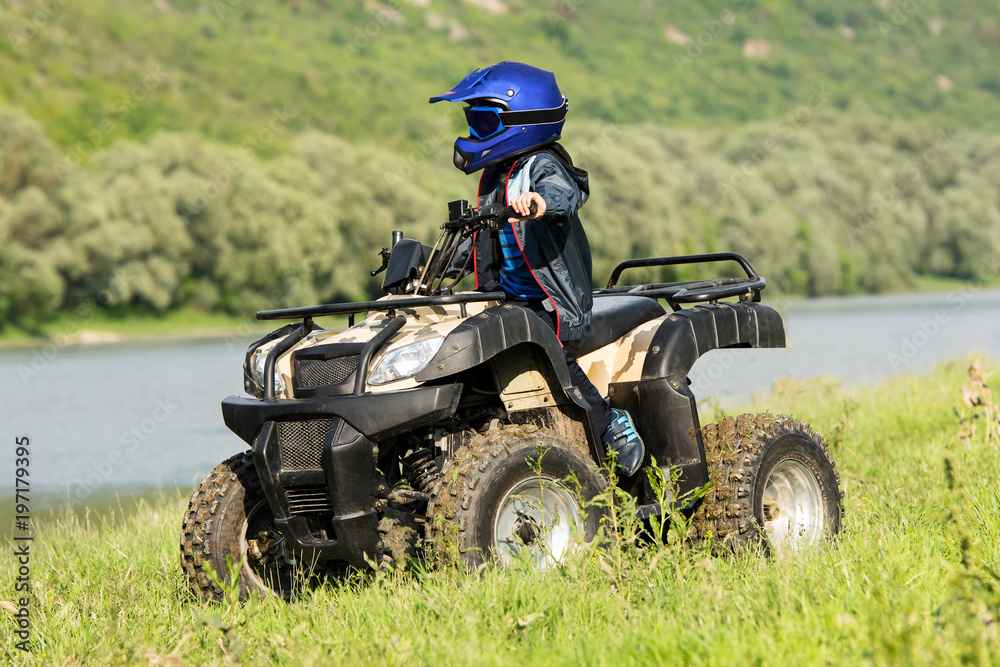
(691, 291)
(389, 306)
(383, 305)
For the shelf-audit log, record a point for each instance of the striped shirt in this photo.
(516, 279)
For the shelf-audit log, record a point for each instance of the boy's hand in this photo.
(522, 204)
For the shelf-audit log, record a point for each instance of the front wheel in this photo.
(521, 492)
(229, 521)
(773, 484)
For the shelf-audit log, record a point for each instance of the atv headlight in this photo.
(257, 363)
(405, 361)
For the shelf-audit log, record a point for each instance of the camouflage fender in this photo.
(687, 334)
(495, 330)
(666, 409)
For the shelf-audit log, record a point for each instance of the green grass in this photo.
(911, 580)
(927, 283)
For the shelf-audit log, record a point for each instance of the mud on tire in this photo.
(226, 513)
(497, 499)
(774, 485)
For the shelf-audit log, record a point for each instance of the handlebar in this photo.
(494, 216)
(440, 262)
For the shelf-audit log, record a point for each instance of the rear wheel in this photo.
(773, 484)
(519, 492)
(229, 521)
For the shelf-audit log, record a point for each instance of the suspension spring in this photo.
(425, 471)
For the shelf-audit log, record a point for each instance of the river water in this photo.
(130, 419)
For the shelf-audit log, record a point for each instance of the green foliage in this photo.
(816, 209)
(822, 202)
(31, 250)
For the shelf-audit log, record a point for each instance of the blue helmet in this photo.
(513, 108)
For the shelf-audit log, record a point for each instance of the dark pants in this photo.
(600, 407)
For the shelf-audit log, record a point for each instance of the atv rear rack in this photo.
(691, 291)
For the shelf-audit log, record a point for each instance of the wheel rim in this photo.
(273, 577)
(793, 507)
(537, 516)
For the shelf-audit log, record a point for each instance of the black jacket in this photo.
(555, 245)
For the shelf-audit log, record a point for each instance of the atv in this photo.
(444, 424)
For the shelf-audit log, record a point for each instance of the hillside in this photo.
(364, 70)
(230, 156)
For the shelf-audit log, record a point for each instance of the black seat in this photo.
(613, 317)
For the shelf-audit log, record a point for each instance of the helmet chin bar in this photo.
(464, 159)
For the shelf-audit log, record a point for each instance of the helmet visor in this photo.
(484, 122)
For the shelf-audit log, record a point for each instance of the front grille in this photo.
(301, 443)
(324, 372)
(308, 500)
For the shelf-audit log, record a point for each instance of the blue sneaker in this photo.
(622, 438)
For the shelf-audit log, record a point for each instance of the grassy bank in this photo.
(911, 580)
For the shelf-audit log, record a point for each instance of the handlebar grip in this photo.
(509, 212)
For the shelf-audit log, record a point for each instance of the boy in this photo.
(542, 259)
